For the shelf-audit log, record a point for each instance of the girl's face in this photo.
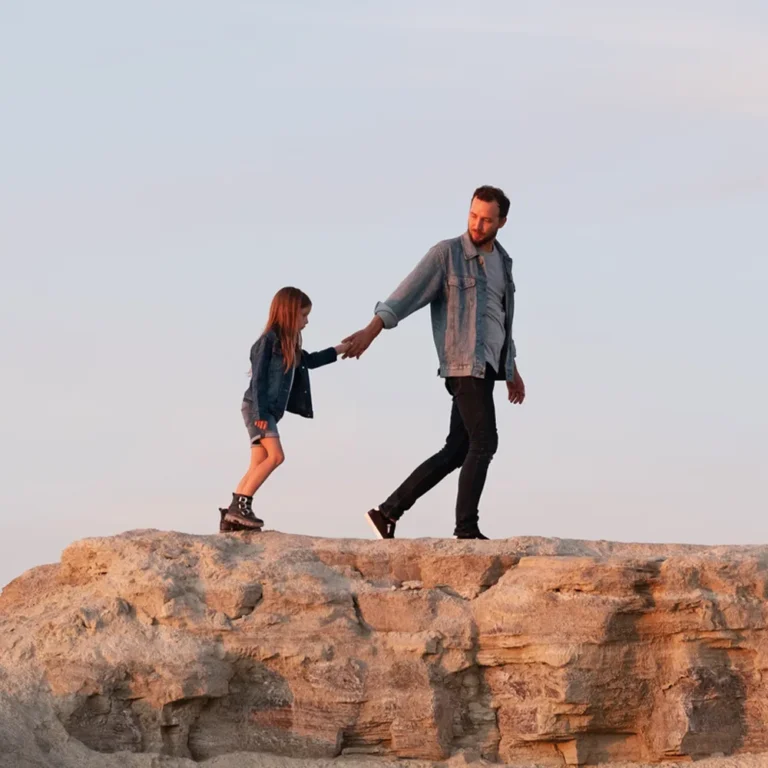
(304, 317)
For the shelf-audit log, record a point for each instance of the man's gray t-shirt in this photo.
(495, 326)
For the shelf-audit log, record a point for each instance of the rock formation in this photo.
(171, 649)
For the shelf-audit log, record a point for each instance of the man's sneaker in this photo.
(472, 535)
(381, 524)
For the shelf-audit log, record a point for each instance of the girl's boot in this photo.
(241, 514)
(225, 526)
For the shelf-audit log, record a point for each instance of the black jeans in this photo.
(471, 443)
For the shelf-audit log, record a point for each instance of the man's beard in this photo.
(483, 240)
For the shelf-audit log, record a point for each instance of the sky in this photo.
(166, 167)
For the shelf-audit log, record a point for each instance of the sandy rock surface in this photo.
(155, 649)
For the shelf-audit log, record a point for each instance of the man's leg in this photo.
(432, 471)
(474, 400)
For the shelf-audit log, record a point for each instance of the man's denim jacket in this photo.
(273, 390)
(452, 279)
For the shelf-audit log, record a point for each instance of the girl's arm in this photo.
(318, 359)
(261, 354)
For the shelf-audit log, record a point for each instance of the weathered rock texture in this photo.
(523, 651)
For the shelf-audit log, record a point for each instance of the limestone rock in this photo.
(155, 649)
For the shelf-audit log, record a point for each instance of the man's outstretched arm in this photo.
(420, 288)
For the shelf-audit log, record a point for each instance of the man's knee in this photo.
(453, 454)
(484, 443)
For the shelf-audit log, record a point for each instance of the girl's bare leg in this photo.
(258, 454)
(265, 459)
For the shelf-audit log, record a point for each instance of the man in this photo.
(467, 281)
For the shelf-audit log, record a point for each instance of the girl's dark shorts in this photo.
(254, 433)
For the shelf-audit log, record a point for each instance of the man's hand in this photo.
(360, 341)
(262, 425)
(516, 389)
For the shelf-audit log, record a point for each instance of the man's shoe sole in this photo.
(373, 526)
(375, 529)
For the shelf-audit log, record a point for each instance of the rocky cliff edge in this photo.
(159, 649)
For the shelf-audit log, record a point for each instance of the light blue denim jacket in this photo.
(452, 279)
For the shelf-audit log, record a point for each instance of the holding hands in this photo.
(359, 341)
(355, 344)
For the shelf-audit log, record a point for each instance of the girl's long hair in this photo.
(284, 315)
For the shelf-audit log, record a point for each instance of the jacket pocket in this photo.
(461, 282)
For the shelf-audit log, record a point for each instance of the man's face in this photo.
(484, 221)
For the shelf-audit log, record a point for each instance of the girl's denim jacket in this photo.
(273, 390)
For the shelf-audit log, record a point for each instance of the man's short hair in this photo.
(493, 194)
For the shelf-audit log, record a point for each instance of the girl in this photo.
(279, 383)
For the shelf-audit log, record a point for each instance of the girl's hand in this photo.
(262, 425)
(342, 348)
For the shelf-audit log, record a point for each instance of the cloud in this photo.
(707, 190)
(728, 189)
(647, 25)
(646, 57)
